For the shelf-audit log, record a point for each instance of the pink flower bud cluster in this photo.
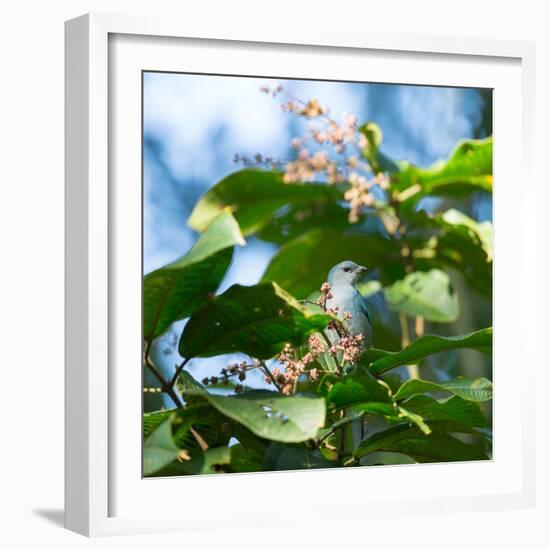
(350, 346)
(307, 166)
(359, 194)
(340, 161)
(325, 295)
(293, 367)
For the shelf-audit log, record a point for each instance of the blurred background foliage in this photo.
(436, 145)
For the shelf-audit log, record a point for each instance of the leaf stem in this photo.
(168, 388)
(179, 368)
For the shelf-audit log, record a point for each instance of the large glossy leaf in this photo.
(253, 196)
(174, 291)
(257, 320)
(272, 416)
(266, 414)
(151, 421)
(301, 266)
(471, 389)
(360, 389)
(437, 446)
(453, 409)
(294, 457)
(469, 168)
(467, 246)
(246, 460)
(428, 294)
(211, 461)
(292, 222)
(380, 361)
(459, 242)
(483, 231)
(159, 448)
(200, 415)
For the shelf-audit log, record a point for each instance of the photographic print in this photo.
(317, 274)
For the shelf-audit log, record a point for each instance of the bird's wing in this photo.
(365, 308)
(375, 305)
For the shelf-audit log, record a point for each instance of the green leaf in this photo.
(293, 457)
(245, 460)
(302, 265)
(254, 196)
(211, 461)
(257, 320)
(159, 448)
(460, 243)
(360, 389)
(381, 361)
(377, 160)
(428, 294)
(266, 414)
(471, 389)
(152, 420)
(483, 231)
(415, 419)
(470, 168)
(174, 291)
(453, 409)
(292, 222)
(438, 446)
(272, 416)
(458, 250)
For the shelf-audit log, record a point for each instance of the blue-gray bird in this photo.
(342, 278)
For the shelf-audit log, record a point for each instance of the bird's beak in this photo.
(362, 269)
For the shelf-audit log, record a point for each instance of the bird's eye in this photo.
(347, 269)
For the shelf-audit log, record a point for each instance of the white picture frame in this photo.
(103, 54)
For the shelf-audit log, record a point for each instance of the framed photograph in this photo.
(289, 263)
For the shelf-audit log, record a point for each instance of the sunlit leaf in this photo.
(253, 196)
(174, 291)
(483, 231)
(159, 448)
(360, 389)
(377, 160)
(471, 389)
(274, 417)
(438, 446)
(453, 409)
(428, 294)
(469, 168)
(380, 361)
(257, 320)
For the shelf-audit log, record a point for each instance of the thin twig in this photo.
(169, 389)
(178, 371)
(329, 344)
(199, 439)
(269, 374)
